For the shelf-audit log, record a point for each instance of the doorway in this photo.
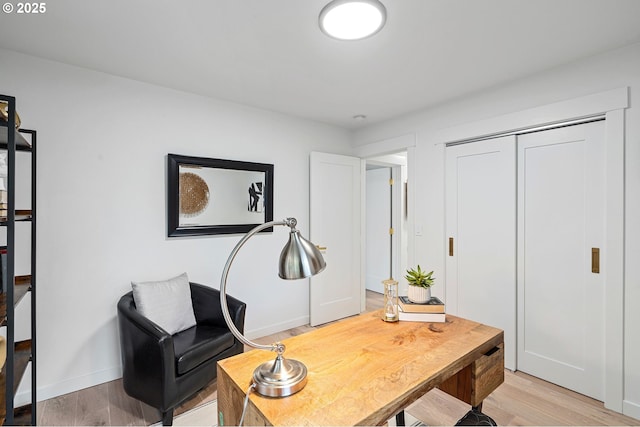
(386, 219)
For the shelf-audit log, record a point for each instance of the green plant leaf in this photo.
(419, 277)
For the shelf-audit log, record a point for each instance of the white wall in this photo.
(614, 69)
(102, 146)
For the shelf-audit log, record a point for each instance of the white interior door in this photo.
(378, 223)
(560, 219)
(481, 223)
(336, 224)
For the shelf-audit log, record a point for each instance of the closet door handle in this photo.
(450, 246)
(595, 260)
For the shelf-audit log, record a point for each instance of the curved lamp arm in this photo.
(279, 347)
(299, 258)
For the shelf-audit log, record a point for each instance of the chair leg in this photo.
(167, 418)
(400, 418)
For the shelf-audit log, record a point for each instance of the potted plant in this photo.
(420, 283)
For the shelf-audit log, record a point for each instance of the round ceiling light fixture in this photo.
(352, 19)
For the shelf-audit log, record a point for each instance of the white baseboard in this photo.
(23, 395)
(73, 384)
(631, 409)
(78, 383)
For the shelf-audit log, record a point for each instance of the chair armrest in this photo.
(148, 356)
(207, 309)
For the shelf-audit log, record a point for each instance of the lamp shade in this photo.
(300, 258)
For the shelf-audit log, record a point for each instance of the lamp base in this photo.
(280, 377)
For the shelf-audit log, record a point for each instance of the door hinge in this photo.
(391, 181)
(391, 231)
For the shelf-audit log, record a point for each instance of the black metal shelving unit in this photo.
(18, 353)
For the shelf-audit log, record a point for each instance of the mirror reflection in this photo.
(220, 196)
(216, 196)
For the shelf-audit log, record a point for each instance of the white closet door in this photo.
(560, 219)
(481, 220)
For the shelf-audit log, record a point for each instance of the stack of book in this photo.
(430, 311)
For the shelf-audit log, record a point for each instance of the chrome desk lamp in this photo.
(298, 259)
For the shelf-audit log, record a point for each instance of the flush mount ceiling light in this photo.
(352, 19)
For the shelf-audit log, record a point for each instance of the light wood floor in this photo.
(521, 400)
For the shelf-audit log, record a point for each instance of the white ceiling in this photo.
(271, 53)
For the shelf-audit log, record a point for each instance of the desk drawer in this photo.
(475, 382)
(487, 374)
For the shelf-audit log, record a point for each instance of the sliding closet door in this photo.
(560, 293)
(481, 235)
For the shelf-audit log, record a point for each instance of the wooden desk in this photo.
(363, 371)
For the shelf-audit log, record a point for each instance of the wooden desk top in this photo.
(362, 371)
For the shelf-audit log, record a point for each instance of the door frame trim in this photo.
(404, 142)
(614, 261)
(568, 110)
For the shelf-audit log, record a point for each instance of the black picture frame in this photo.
(209, 169)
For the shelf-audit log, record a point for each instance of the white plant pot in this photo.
(418, 294)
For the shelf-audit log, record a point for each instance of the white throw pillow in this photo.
(167, 303)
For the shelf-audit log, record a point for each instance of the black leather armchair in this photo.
(163, 370)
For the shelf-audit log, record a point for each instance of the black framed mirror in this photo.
(217, 196)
